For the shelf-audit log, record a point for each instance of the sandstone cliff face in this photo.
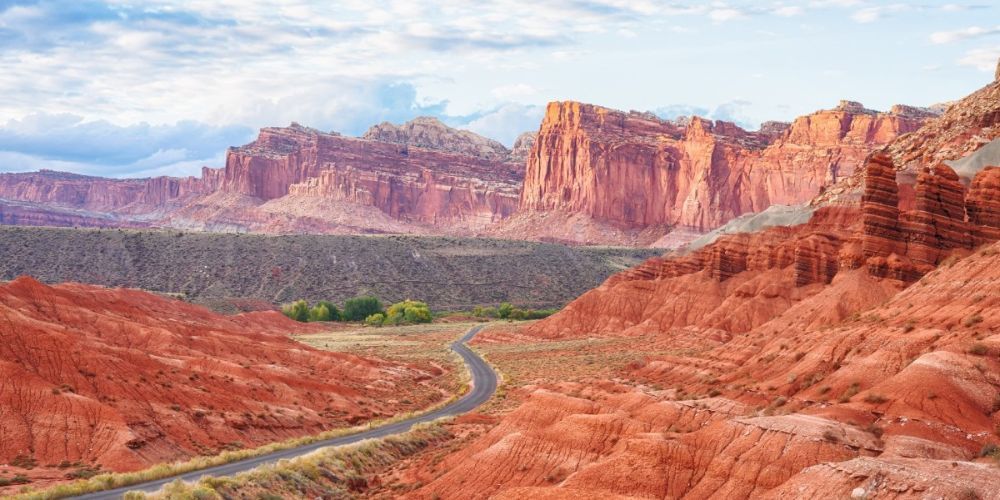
(523, 146)
(963, 128)
(419, 177)
(429, 133)
(405, 182)
(983, 206)
(945, 219)
(100, 194)
(633, 170)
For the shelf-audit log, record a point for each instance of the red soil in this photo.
(125, 379)
(897, 401)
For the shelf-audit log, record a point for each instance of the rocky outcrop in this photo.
(429, 133)
(937, 224)
(962, 129)
(634, 170)
(945, 218)
(124, 379)
(523, 146)
(983, 206)
(99, 194)
(419, 177)
(880, 209)
(407, 183)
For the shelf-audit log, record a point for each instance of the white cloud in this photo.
(789, 11)
(505, 123)
(942, 37)
(721, 15)
(983, 59)
(514, 91)
(875, 13)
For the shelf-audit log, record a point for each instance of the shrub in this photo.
(359, 308)
(298, 310)
(503, 312)
(332, 308)
(375, 319)
(319, 312)
(973, 320)
(875, 398)
(484, 312)
(851, 390)
(509, 311)
(408, 312)
(990, 450)
(978, 350)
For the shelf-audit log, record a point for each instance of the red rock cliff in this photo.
(101, 194)
(634, 170)
(405, 182)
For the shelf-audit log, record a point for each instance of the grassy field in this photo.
(230, 272)
(421, 345)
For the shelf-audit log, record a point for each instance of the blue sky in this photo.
(130, 88)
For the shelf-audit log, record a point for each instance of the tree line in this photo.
(506, 310)
(367, 308)
(371, 311)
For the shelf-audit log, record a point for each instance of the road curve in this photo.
(484, 384)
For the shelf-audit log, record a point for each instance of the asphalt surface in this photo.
(484, 384)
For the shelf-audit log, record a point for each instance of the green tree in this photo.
(298, 310)
(319, 312)
(408, 311)
(375, 319)
(503, 312)
(359, 308)
(330, 306)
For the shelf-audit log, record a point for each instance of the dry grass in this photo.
(341, 472)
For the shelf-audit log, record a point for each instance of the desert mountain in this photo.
(854, 355)
(590, 175)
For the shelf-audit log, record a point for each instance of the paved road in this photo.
(484, 384)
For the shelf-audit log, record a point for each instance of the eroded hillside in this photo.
(233, 272)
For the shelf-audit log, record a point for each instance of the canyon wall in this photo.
(101, 194)
(634, 170)
(421, 173)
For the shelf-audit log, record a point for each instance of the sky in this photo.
(128, 88)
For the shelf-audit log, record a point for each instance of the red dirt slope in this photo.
(895, 401)
(125, 379)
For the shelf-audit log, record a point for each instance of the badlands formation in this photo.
(854, 356)
(119, 380)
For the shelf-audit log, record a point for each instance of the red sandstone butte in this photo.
(632, 171)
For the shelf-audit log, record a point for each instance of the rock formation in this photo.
(124, 379)
(880, 209)
(429, 133)
(965, 128)
(771, 366)
(523, 146)
(983, 206)
(856, 390)
(633, 171)
(419, 177)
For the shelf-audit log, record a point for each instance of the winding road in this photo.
(484, 384)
